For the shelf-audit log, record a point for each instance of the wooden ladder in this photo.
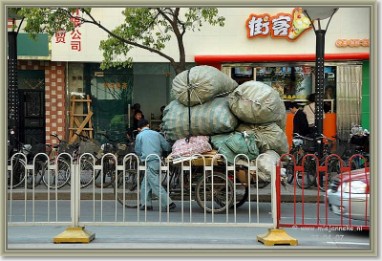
(79, 120)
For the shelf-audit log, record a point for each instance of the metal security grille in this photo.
(31, 85)
(349, 93)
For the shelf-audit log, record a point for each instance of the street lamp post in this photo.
(317, 14)
(13, 95)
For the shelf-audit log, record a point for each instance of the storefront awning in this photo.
(28, 48)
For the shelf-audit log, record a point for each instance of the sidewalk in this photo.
(178, 240)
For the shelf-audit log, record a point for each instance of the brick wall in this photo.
(55, 97)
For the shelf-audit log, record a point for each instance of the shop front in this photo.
(274, 45)
(277, 47)
(293, 78)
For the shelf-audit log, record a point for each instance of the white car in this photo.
(349, 195)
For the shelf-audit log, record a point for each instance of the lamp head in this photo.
(320, 13)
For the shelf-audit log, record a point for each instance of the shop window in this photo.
(293, 83)
(242, 74)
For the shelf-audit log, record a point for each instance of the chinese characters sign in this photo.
(115, 85)
(281, 25)
(75, 35)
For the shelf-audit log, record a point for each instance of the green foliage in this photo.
(47, 20)
(147, 28)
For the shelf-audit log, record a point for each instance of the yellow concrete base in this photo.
(74, 235)
(277, 237)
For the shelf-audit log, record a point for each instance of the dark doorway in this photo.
(32, 106)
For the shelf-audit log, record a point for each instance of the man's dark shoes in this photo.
(149, 208)
(171, 207)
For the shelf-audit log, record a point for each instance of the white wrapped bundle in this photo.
(204, 82)
(258, 103)
(265, 164)
(268, 136)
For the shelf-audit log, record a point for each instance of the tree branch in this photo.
(93, 21)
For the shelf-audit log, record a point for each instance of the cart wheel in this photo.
(215, 193)
(242, 193)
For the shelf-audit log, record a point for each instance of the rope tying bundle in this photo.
(189, 106)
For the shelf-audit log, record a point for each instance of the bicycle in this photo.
(302, 152)
(87, 172)
(18, 158)
(58, 177)
(330, 165)
(114, 150)
(357, 144)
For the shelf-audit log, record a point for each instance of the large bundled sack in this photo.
(268, 136)
(195, 145)
(218, 142)
(204, 82)
(235, 143)
(265, 164)
(258, 103)
(213, 117)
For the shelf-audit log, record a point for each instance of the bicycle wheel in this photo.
(57, 179)
(126, 190)
(215, 193)
(16, 176)
(108, 173)
(289, 171)
(34, 178)
(86, 172)
(305, 179)
(325, 178)
(290, 163)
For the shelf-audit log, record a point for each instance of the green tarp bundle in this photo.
(235, 143)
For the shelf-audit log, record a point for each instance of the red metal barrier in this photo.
(334, 201)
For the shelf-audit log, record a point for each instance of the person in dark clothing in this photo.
(300, 122)
(138, 115)
(132, 132)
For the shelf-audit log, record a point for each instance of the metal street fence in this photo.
(207, 191)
